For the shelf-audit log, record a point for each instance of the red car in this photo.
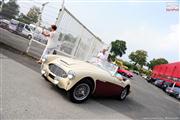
(125, 73)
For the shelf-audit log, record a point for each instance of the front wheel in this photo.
(80, 92)
(124, 93)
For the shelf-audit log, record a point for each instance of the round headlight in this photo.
(71, 74)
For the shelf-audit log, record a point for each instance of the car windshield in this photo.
(105, 65)
(32, 28)
(168, 83)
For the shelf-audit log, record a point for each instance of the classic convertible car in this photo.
(82, 79)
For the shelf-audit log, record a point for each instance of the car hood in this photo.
(69, 61)
(74, 64)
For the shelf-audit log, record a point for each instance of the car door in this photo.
(108, 86)
(26, 30)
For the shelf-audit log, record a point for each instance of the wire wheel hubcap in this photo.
(81, 91)
(124, 93)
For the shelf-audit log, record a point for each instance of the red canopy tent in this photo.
(162, 71)
(159, 69)
(176, 73)
(154, 72)
(168, 72)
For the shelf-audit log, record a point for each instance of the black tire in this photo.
(177, 96)
(148, 80)
(11, 31)
(29, 37)
(75, 95)
(124, 93)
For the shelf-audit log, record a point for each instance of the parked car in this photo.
(125, 73)
(173, 91)
(37, 35)
(136, 72)
(21, 29)
(166, 85)
(13, 25)
(151, 80)
(144, 76)
(4, 23)
(159, 83)
(24, 30)
(82, 79)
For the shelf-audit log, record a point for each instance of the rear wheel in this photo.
(124, 93)
(80, 92)
(11, 31)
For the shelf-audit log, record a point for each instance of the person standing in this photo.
(51, 44)
(102, 55)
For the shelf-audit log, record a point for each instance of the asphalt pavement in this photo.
(25, 95)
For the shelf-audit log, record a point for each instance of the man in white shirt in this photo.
(102, 55)
(51, 44)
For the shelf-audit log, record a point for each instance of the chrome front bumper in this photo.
(62, 83)
(46, 74)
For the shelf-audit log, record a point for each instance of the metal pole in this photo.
(59, 18)
(2, 3)
(173, 86)
(29, 45)
(60, 14)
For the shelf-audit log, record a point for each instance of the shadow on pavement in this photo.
(19, 57)
(128, 107)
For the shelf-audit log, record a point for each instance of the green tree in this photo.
(118, 48)
(23, 18)
(155, 62)
(33, 14)
(138, 57)
(31, 17)
(10, 9)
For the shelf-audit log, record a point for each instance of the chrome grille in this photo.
(57, 70)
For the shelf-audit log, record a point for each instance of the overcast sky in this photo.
(143, 25)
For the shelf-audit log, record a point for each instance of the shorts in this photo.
(46, 52)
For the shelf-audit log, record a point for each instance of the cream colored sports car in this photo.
(82, 79)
